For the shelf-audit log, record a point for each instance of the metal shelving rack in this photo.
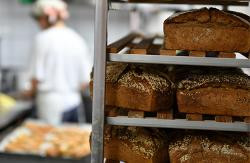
(101, 57)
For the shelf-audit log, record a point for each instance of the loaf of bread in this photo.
(135, 145)
(214, 91)
(137, 87)
(207, 30)
(210, 147)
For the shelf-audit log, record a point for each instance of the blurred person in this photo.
(60, 67)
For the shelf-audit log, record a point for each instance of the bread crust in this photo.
(224, 91)
(214, 101)
(138, 89)
(209, 148)
(207, 30)
(135, 145)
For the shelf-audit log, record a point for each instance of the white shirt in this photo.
(61, 65)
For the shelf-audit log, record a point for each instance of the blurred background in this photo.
(18, 30)
(17, 33)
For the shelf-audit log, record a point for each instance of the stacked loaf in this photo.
(207, 30)
(134, 145)
(137, 87)
(199, 90)
(209, 147)
(214, 91)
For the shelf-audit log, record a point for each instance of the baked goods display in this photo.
(207, 30)
(199, 90)
(195, 147)
(135, 144)
(209, 94)
(46, 140)
(137, 87)
(214, 91)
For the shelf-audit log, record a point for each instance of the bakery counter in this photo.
(18, 110)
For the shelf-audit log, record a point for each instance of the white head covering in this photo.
(54, 9)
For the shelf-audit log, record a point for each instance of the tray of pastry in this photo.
(38, 141)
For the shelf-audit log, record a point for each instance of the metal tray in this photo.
(18, 158)
(36, 158)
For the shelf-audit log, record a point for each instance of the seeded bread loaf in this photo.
(137, 87)
(214, 91)
(135, 145)
(210, 147)
(207, 30)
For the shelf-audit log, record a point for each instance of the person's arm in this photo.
(31, 93)
(85, 68)
(35, 67)
(84, 86)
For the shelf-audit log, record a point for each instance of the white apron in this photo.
(50, 107)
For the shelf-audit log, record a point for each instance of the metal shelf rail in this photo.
(101, 56)
(179, 123)
(179, 60)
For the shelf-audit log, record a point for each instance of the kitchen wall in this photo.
(17, 29)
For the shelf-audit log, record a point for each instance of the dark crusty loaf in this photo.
(135, 144)
(214, 91)
(210, 147)
(137, 87)
(207, 30)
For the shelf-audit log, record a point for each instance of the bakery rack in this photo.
(104, 54)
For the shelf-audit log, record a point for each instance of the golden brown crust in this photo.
(210, 147)
(207, 30)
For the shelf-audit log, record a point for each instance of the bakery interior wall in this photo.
(17, 30)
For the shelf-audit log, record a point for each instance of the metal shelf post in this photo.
(101, 13)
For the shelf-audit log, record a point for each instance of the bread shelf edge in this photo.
(179, 60)
(179, 124)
